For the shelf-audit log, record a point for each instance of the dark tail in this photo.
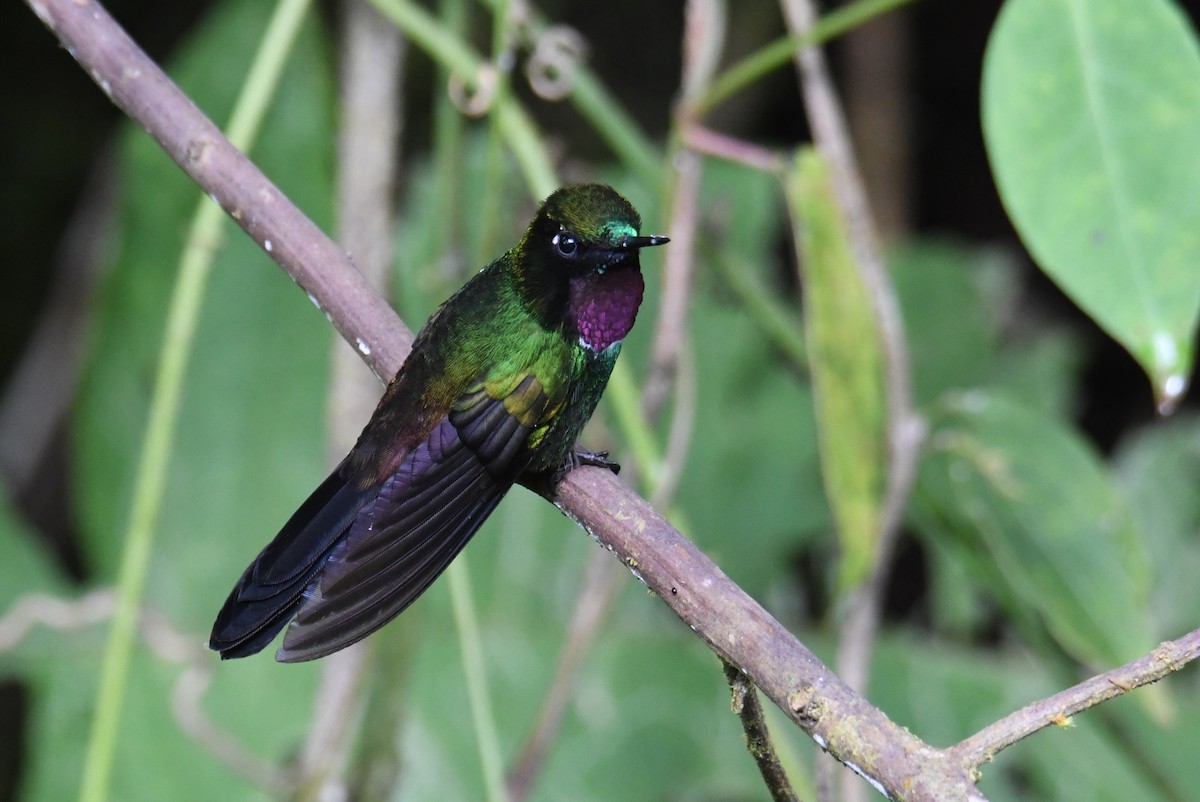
(272, 589)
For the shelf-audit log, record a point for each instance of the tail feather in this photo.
(418, 521)
(272, 588)
(350, 560)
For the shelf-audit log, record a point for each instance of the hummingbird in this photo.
(497, 387)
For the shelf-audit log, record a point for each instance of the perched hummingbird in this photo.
(498, 386)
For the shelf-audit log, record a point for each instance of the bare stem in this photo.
(758, 738)
(1170, 656)
(678, 270)
(371, 58)
(905, 429)
(704, 36)
(598, 591)
(832, 138)
(140, 88)
(713, 143)
(167, 644)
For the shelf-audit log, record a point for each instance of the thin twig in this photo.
(164, 642)
(705, 140)
(594, 601)
(1168, 657)
(905, 428)
(40, 391)
(371, 59)
(758, 738)
(679, 437)
(55, 612)
(140, 88)
(704, 36)
(678, 269)
(729, 621)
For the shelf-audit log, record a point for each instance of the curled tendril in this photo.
(475, 98)
(551, 67)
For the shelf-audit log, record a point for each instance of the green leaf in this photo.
(846, 362)
(249, 444)
(945, 318)
(250, 438)
(26, 566)
(966, 328)
(648, 718)
(756, 442)
(1091, 112)
(155, 757)
(1042, 369)
(1158, 468)
(1026, 492)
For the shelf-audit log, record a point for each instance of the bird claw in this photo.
(598, 459)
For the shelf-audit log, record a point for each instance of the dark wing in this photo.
(272, 588)
(425, 512)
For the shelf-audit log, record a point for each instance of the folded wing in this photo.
(425, 512)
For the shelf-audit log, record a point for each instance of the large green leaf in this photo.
(27, 567)
(249, 444)
(946, 320)
(756, 442)
(846, 361)
(1027, 493)
(155, 756)
(648, 719)
(1091, 112)
(1158, 468)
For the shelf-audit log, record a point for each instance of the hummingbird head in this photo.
(578, 263)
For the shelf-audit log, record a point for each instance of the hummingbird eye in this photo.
(565, 243)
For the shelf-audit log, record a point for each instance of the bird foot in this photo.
(599, 459)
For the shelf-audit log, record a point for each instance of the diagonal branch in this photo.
(1170, 656)
(143, 91)
(728, 620)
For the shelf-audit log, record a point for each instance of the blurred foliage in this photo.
(845, 345)
(1041, 559)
